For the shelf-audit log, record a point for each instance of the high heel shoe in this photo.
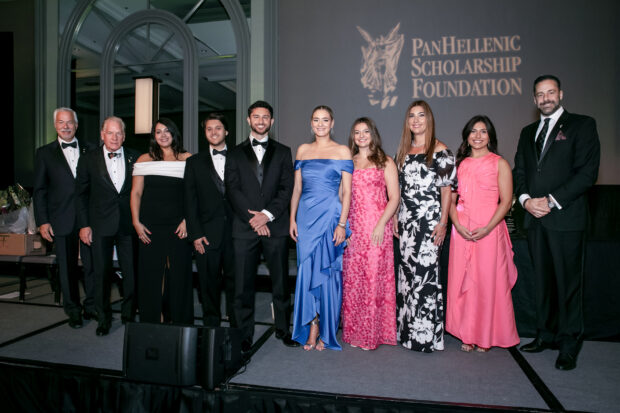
(311, 344)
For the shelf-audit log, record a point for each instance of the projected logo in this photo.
(379, 66)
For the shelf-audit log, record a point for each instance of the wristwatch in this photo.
(550, 202)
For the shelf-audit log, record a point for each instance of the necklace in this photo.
(413, 144)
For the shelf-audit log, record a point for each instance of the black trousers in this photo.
(558, 264)
(88, 269)
(67, 249)
(166, 261)
(216, 272)
(247, 256)
(102, 249)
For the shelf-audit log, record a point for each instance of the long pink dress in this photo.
(481, 274)
(369, 288)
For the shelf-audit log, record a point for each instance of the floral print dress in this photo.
(419, 298)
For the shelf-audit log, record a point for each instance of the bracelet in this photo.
(342, 224)
(442, 224)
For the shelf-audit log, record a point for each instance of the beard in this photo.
(548, 112)
(265, 132)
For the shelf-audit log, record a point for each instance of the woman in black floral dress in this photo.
(426, 171)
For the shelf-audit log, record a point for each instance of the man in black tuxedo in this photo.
(209, 221)
(556, 163)
(55, 214)
(259, 184)
(104, 217)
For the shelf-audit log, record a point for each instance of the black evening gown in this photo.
(165, 265)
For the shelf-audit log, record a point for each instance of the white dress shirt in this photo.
(553, 119)
(259, 151)
(71, 154)
(116, 167)
(219, 162)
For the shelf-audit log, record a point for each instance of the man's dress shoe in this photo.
(103, 330)
(75, 321)
(565, 361)
(286, 339)
(537, 346)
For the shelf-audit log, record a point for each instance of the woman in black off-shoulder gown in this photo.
(165, 256)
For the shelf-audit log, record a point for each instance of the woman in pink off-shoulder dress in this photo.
(481, 271)
(369, 296)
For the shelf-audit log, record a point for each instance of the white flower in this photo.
(423, 330)
(427, 254)
(430, 303)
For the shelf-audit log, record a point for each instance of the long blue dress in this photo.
(319, 262)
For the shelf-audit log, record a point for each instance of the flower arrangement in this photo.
(13, 198)
(16, 213)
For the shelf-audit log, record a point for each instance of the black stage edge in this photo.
(536, 381)
(47, 387)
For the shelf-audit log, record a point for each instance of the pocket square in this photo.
(560, 136)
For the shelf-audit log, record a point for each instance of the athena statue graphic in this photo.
(379, 66)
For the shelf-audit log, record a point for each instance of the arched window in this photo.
(198, 49)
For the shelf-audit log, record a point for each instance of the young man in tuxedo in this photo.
(209, 221)
(55, 214)
(259, 184)
(104, 217)
(556, 163)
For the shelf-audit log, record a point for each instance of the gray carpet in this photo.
(453, 376)
(493, 378)
(594, 386)
(64, 345)
(79, 347)
(17, 320)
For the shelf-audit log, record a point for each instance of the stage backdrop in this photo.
(371, 58)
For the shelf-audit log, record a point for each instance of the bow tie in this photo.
(263, 144)
(71, 144)
(111, 155)
(222, 152)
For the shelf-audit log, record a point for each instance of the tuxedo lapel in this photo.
(60, 157)
(252, 160)
(214, 176)
(83, 149)
(103, 169)
(271, 148)
(128, 170)
(553, 135)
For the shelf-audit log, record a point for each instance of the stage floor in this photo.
(36, 333)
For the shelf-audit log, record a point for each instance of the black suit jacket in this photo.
(567, 169)
(54, 189)
(207, 211)
(246, 190)
(100, 206)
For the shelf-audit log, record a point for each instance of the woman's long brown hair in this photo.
(377, 156)
(407, 136)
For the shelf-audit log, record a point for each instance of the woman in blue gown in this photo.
(319, 209)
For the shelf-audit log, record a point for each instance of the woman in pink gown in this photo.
(369, 296)
(481, 271)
